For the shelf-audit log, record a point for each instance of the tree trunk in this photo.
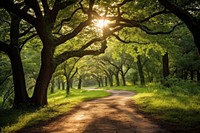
(71, 83)
(191, 75)
(110, 80)
(52, 86)
(39, 97)
(68, 86)
(198, 75)
(140, 70)
(80, 82)
(68, 89)
(106, 81)
(21, 95)
(99, 83)
(20, 92)
(110, 77)
(123, 78)
(59, 84)
(101, 80)
(117, 78)
(165, 61)
(135, 78)
(63, 85)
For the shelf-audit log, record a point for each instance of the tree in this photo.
(70, 71)
(13, 50)
(188, 12)
(50, 32)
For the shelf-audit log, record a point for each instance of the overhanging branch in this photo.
(124, 41)
(160, 32)
(79, 53)
(9, 6)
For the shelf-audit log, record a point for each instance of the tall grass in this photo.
(59, 103)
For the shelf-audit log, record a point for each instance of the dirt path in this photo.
(113, 114)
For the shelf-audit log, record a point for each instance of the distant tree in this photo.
(70, 70)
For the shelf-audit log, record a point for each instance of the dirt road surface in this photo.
(113, 114)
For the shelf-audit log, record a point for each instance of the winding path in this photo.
(113, 114)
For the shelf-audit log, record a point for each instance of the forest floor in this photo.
(114, 114)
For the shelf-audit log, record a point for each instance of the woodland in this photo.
(51, 45)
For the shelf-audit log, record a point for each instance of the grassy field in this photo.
(59, 103)
(176, 105)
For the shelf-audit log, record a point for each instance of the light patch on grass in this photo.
(177, 108)
(174, 104)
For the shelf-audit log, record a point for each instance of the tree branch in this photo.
(9, 6)
(68, 36)
(159, 32)
(91, 42)
(35, 6)
(79, 53)
(45, 6)
(154, 15)
(182, 14)
(26, 40)
(26, 31)
(66, 20)
(124, 41)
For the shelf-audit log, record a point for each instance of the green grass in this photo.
(175, 105)
(59, 103)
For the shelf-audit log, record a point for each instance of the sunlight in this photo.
(102, 23)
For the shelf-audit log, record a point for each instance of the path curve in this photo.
(113, 114)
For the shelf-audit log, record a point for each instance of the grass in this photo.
(176, 104)
(59, 103)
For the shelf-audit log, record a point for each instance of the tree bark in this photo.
(68, 86)
(123, 78)
(20, 92)
(52, 86)
(117, 78)
(110, 80)
(106, 81)
(80, 82)
(198, 75)
(140, 70)
(47, 69)
(21, 95)
(63, 85)
(165, 61)
(101, 81)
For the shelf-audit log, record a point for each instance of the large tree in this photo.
(43, 15)
(189, 12)
(12, 47)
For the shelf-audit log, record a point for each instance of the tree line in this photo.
(65, 29)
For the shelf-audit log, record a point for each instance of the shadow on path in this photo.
(113, 114)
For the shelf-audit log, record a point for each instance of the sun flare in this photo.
(102, 23)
